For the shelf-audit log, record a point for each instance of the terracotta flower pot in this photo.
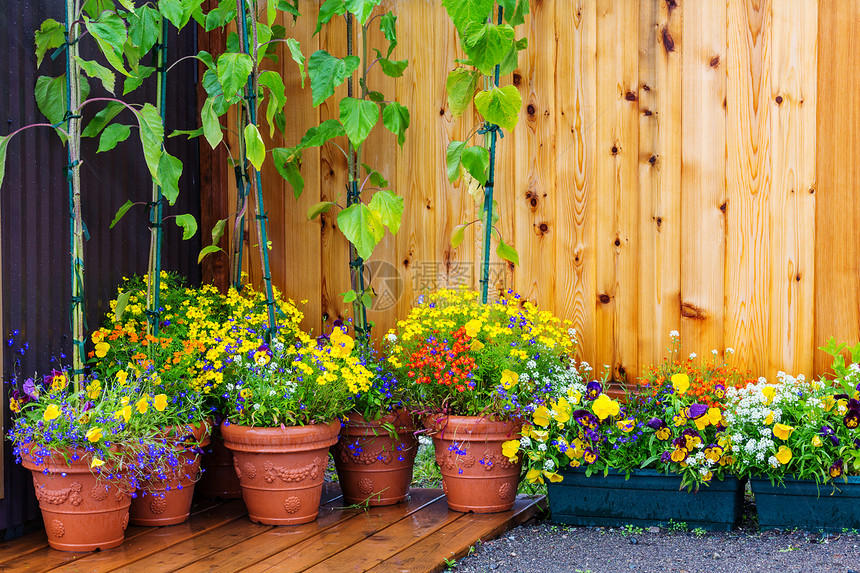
(81, 510)
(281, 470)
(219, 479)
(476, 476)
(168, 501)
(373, 466)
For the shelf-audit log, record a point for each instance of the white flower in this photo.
(542, 446)
(714, 352)
(674, 334)
(391, 337)
(256, 406)
(730, 350)
(774, 463)
(693, 355)
(525, 442)
(549, 464)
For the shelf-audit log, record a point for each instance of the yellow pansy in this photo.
(574, 396)
(94, 434)
(509, 379)
(510, 449)
(124, 413)
(121, 377)
(681, 382)
(783, 455)
(93, 389)
(715, 416)
(561, 408)
(102, 349)
(476, 345)
(542, 416)
(816, 441)
(59, 381)
(96, 463)
(473, 327)
(782, 431)
(702, 422)
(769, 420)
(51, 412)
(768, 392)
(160, 402)
(605, 406)
(829, 402)
(142, 405)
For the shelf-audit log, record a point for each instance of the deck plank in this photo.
(346, 534)
(454, 540)
(17, 548)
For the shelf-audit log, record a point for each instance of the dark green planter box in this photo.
(804, 504)
(647, 498)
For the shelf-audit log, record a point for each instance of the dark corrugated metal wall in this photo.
(34, 210)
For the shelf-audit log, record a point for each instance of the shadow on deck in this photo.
(418, 535)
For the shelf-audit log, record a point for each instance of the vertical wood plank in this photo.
(576, 230)
(837, 213)
(617, 190)
(748, 180)
(659, 176)
(703, 197)
(792, 98)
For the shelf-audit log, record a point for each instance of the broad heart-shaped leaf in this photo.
(500, 106)
(392, 68)
(178, 11)
(464, 12)
(135, 80)
(507, 253)
(362, 9)
(362, 227)
(395, 118)
(188, 224)
(487, 45)
(4, 143)
(389, 208)
(358, 117)
(453, 158)
(144, 27)
(476, 160)
(213, 88)
(318, 135)
(233, 70)
(387, 24)
(329, 10)
(112, 135)
(515, 11)
(298, 57)
(151, 137)
(169, 171)
(51, 97)
(102, 118)
(111, 35)
(50, 35)
(218, 230)
(375, 177)
(254, 146)
(97, 71)
(207, 250)
(121, 303)
(511, 61)
(288, 162)
(461, 86)
(320, 208)
(211, 124)
(328, 72)
(121, 212)
(95, 7)
(458, 235)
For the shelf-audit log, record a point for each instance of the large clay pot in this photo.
(476, 476)
(219, 479)
(281, 470)
(374, 466)
(168, 501)
(82, 510)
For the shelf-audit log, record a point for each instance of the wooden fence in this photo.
(678, 165)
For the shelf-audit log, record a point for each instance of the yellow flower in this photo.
(702, 422)
(94, 388)
(605, 406)
(542, 416)
(574, 396)
(769, 392)
(102, 349)
(829, 402)
(782, 431)
(160, 402)
(681, 382)
(534, 476)
(142, 405)
(816, 441)
(14, 405)
(476, 345)
(124, 413)
(553, 476)
(51, 412)
(510, 449)
(769, 420)
(121, 377)
(473, 327)
(96, 463)
(94, 434)
(59, 382)
(626, 425)
(562, 409)
(715, 416)
(509, 379)
(783, 455)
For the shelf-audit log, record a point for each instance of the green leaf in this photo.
(511, 61)
(320, 208)
(329, 10)
(362, 9)
(358, 117)
(464, 12)
(328, 72)
(487, 45)
(151, 137)
(366, 299)
(112, 135)
(111, 35)
(362, 227)
(51, 97)
(458, 235)
(376, 97)
(254, 146)
(4, 143)
(453, 158)
(120, 213)
(395, 118)
(169, 171)
(218, 230)
(392, 68)
(189, 133)
(515, 11)
(289, 165)
(121, 303)
(476, 160)
(207, 250)
(188, 224)
(178, 11)
(387, 24)
(213, 88)
(316, 136)
(507, 253)
(389, 208)
(277, 96)
(500, 106)
(217, 18)
(349, 296)
(135, 80)
(102, 118)
(144, 28)
(50, 35)
(211, 124)
(298, 57)
(461, 86)
(95, 7)
(375, 177)
(233, 70)
(98, 72)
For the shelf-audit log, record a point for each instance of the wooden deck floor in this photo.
(414, 536)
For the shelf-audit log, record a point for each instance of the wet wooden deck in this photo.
(418, 536)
